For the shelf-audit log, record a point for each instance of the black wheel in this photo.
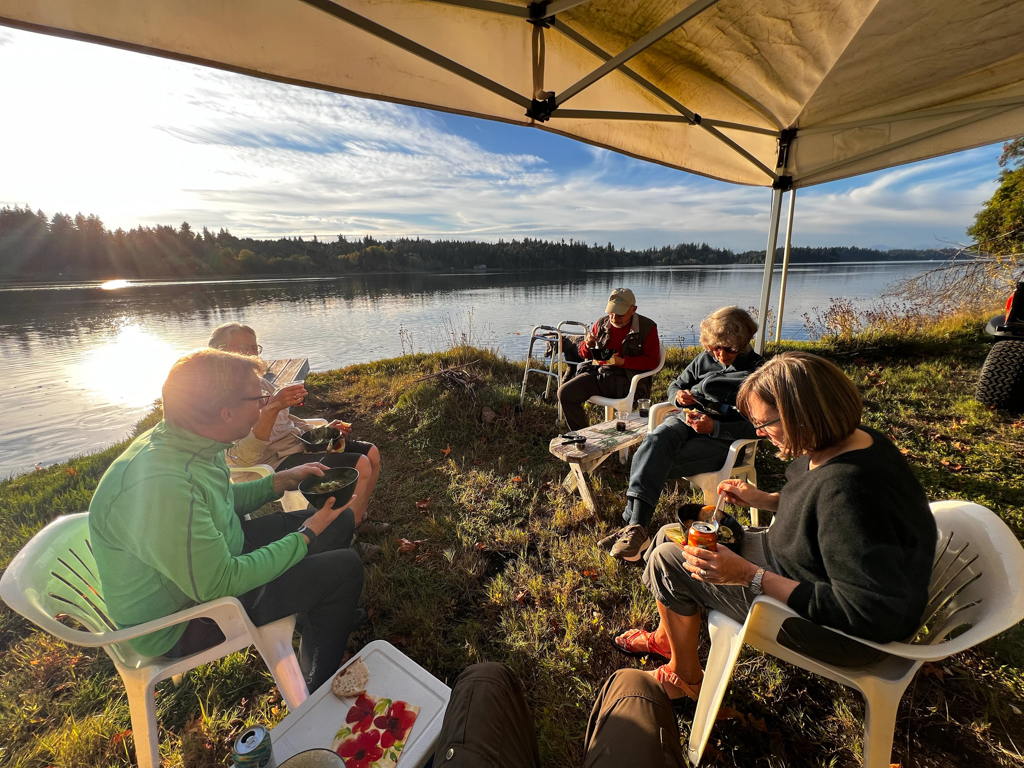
(1001, 384)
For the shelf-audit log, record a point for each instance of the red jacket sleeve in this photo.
(651, 356)
(584, 349)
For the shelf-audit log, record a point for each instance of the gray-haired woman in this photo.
(697, 439)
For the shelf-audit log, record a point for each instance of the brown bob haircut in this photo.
(819, 405)
(727, 327)
(203, 382)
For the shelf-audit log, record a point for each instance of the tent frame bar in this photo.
(785, 266)
(902, 142)
(410, 46)
(689, 12)
(769, 269)
(643, 82)
(551, 7)
(1015, 101)
(654, 117)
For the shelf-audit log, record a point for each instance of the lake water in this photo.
(82, 364)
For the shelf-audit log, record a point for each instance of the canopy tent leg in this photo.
(785, 266)
(769, 268)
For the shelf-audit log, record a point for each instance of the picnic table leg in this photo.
(584, 489)
(570, 480)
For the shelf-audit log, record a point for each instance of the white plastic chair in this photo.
(976, 578)
(55, 573)
(291, 501)
(611, 405)
(625, 403)
(739, 462)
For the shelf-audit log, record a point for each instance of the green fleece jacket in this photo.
(165, 530)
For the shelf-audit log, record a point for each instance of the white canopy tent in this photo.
(783, 94)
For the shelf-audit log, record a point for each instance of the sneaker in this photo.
(370, 529)
(632, 544)
(609, 541)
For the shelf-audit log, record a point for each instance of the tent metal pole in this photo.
(785, 266)
(769, 268)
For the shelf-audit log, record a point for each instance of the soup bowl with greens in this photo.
(339, 482)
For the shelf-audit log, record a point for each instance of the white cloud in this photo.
(137, 139)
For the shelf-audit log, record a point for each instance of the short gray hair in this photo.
(727, 327)
(203, 382)
(222, 333)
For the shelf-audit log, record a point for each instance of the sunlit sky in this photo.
(141, 140)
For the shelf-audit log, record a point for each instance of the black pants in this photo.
(323, 588)
(488, 724)
(575, 392)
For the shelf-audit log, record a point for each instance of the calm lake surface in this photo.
(83, 364)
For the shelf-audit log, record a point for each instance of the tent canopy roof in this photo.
(796, 92)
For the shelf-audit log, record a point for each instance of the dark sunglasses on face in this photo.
(727, 350)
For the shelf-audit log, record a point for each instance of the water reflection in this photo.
(126, 370)
(94, 359)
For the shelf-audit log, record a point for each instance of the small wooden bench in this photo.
(603, 440)
(287, 369)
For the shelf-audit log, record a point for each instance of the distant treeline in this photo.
(33, 246)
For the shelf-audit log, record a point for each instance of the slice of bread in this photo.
(351, 681)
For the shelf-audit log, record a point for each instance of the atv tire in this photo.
(1001, 384)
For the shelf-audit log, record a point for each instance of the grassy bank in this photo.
(506, 569)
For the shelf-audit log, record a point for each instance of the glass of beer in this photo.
(644, 406)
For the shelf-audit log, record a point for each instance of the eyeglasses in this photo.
(264, 399)
(727, 350)
(758, 427)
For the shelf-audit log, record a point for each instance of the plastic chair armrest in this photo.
(767, 615)
(225, 611)
(658, 414)
(263, 470)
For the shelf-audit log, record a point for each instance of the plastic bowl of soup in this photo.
(339, 483)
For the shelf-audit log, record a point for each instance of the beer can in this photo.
(253, 749)
(703, 536)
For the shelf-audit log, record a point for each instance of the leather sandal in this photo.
(627, 643)
(665, 675)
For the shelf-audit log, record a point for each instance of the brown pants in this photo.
(488, 724)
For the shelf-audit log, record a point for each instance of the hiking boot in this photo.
(632, 543)
(369, 529)
(370, 553)
(609, 541)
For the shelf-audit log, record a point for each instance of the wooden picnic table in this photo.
(603, 440)
(287, 369)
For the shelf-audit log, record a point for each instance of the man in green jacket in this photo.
(167, 531)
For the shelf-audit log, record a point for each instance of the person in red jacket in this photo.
(619, 346)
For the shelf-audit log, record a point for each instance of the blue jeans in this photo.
(673, 450)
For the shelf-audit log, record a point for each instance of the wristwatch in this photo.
(312, 536)
(755, 583)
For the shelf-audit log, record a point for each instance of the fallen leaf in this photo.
(379, 404)
(447, 450)
(479, 546)
(758, 723)
(545, 487)
(483, 439)
(590, 573)
(522, 595)
(934, 671)
(71, 471)
(423, 504)
(517, 479)
(117, 738)
(422, 557)
(1015, 710)
(952, 466)
(404, 545)
(728, 713)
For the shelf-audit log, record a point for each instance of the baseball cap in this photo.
(620, 301)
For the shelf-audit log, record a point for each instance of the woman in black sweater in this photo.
(851, 547)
